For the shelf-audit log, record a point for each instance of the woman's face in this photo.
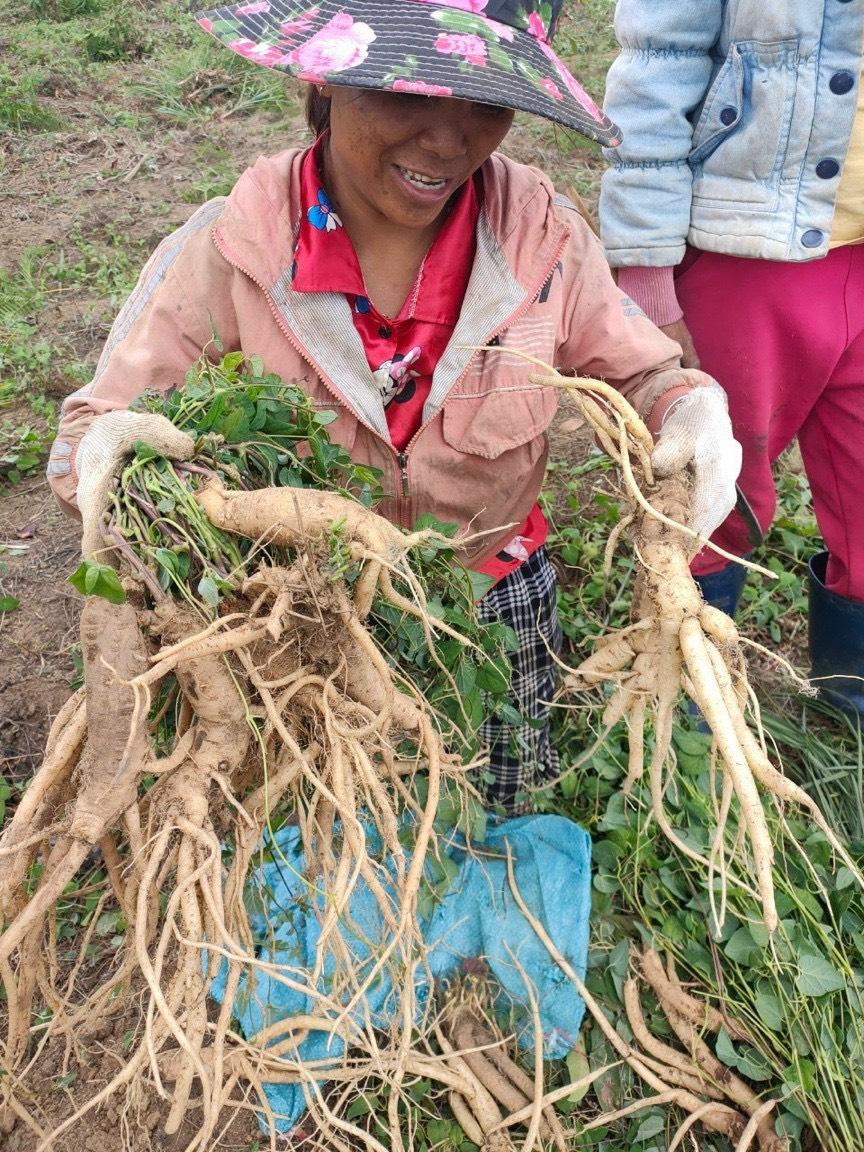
(399, 157)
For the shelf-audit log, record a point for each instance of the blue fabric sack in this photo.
(477, 917)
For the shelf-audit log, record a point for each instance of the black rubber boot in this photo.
(836, 642)
(723, 589)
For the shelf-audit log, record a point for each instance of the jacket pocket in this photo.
(741, 134)
(492, 423)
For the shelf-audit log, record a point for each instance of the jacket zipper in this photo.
(402, 460)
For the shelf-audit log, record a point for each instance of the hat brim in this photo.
(410, 46)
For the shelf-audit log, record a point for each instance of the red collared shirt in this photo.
(402, 351)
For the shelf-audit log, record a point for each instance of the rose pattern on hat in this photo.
(471, 48)
(420, 87)
(581, 97)
(266, 54)
(341, 44)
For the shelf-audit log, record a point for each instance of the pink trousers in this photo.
(786, 341)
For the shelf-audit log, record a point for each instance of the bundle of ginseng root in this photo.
(677, 645)
(264, 654)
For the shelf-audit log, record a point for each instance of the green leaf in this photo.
(650, 1126)
(208, 591)
(480, 584)
(325, 417)
(360, 1107)
(143, 451)
(845, 877)
(817, 977)
(106, 925)
(754, 1066)
(442, 527)
(770, 1012)
(98, 580)
(741, 947)
(725, 1049)
(438, 1130)
(9, 603)
(578, 1068)
(167, 560)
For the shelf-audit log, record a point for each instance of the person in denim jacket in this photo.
(734, 213)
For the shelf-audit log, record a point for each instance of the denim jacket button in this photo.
(728, 115)
(812, 238)
(827, 169)
(841, 83)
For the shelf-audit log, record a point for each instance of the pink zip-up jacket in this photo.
(540, 285)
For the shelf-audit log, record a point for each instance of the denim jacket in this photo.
(736, 117)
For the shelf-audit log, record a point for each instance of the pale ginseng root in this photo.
(284, 705)
(677, 643)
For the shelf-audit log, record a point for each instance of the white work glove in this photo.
(103, 448)
(697, 430)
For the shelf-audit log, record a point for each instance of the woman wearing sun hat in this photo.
(371, 266)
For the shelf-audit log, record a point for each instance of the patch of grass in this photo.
(106, 266)
(582, 509)
(777, 609)
(24, 356)
(63, 10)
(20, 110)
(204, 79)
(214, 180)
(22, 448)
(103, 267)
(119, 37)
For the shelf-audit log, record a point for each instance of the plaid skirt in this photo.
(521, 758)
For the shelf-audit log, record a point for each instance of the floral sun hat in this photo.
(494, 51)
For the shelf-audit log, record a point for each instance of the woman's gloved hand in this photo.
(696, 430)
(103, 448)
